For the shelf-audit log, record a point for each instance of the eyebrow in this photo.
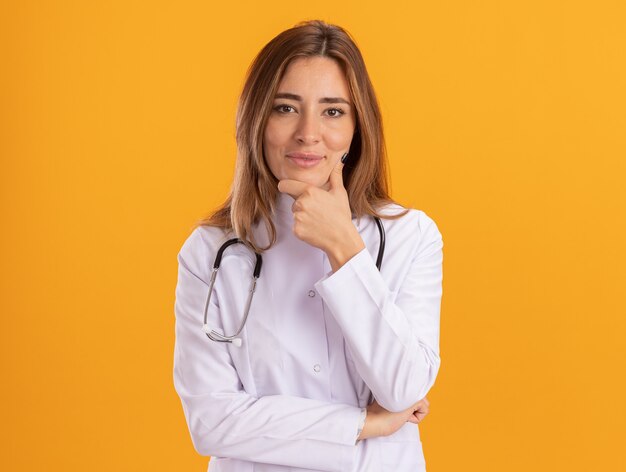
(298, 98)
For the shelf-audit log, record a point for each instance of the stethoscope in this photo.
(214, 335)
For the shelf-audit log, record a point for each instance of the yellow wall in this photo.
(505, 123)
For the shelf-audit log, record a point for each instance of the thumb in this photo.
(336, 176)
(413, 419)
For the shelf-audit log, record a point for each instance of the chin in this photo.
(317, 182)
(309, 179)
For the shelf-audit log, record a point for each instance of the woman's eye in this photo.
(332, 112)
(281, 108)
(335, 112)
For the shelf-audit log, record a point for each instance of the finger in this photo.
(292, 187)
(296, 206)
(336, 176)
(421, 403)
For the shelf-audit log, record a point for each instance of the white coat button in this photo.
(316, 367)
(311, 293)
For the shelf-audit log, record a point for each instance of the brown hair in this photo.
(254, 188)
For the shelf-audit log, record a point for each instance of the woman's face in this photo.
(311, 123)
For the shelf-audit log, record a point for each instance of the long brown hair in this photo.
(254, 188)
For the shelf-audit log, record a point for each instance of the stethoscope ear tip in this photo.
(207, 329)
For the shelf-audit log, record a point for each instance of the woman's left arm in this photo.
(394, 342)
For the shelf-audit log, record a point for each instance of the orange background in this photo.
(505, 123)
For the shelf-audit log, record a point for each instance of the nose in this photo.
(308, 129)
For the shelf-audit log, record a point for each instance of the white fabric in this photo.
(316, 346)
(361, 423)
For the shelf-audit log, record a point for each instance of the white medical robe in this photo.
(316, 348)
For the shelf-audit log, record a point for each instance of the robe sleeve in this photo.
(223, 419)
(392, 337)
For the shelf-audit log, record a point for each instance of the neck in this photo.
(284, 202)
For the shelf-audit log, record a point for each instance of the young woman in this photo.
(324, 360)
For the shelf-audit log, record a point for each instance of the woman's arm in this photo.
(380, 422)
(226, 421)
(394, 342)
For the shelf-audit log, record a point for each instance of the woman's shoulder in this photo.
(414, 219)
(199, 248)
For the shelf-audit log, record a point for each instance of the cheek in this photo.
(340, 137)
(269, 139)
(276, 134)
(271, 145)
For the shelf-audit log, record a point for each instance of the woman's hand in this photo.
(420, 412)
(322, 218)
(380, 422)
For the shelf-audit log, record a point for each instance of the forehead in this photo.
(315, 76)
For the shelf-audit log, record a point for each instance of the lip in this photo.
(305, 159)
(304, 155)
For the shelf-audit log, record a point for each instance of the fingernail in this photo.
(344, 158)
